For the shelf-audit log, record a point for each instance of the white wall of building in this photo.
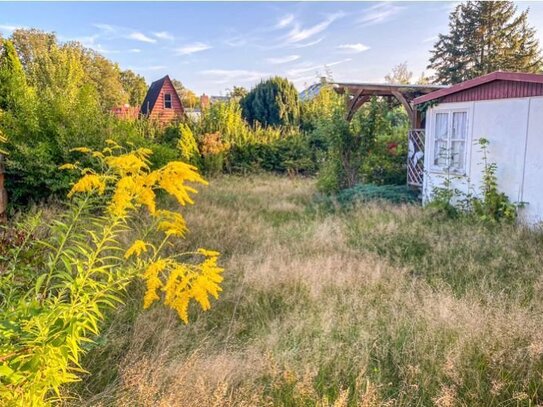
(514, 128)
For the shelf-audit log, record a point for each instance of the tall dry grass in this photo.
(379, 305)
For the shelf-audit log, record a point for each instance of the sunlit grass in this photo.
(378, 305)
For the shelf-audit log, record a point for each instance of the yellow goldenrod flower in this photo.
(208, 253)
(173, 177)
(126, 164)
(125, 192)
(137, 248)
(172, 223)
(84, 150)
(147, 197)
(153, 281)
(67, 166)
(88, 183)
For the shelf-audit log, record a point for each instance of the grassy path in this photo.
(377, 306)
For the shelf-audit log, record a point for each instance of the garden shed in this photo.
(504, 108)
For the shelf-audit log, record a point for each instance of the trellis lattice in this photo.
(415, 157)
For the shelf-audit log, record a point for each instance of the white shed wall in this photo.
(514, 128)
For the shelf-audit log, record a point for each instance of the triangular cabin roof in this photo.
(527, 84)
(153, 94)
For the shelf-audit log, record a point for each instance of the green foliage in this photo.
(364, 149)
(489, 205)
(225, 118)
(52, 306)
(292, 154)
(493, 205)
(237, 92)
(252, 148)
(135, 87)
(187, 144)
(54, 98)
(319, 108)
(187, 96)
(485, 36)
(272, 103)
(447, 199)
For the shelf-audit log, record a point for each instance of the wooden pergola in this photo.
(360, 93)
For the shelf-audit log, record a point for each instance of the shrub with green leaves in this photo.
(273, 102)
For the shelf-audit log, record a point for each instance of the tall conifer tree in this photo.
(485, 36)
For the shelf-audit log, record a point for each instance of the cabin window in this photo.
(167, 101)
(450, 134)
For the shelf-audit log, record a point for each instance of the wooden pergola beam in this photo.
(362, 92)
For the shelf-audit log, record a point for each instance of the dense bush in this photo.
(293, 154)
(272, 103)
(55, 97)
(370, 148)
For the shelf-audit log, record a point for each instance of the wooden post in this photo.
(3, 193)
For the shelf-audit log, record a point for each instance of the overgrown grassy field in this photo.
(377, 305)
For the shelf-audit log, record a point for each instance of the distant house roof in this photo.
(214, 99)
(310, 92)
(152, 95)
(496, 92)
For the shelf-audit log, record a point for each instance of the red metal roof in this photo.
(526, 78)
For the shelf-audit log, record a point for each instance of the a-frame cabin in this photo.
(162, 103)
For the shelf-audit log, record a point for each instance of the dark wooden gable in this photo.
(154, 105)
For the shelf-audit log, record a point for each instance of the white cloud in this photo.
(353, 48)
(380, 13)
(192, 48)
(228, 75)
(285, 21)
(138, 36)
(99, 48)
(298, 34)
(87, 41)
(236, 41)
(283, 60)
(10, 28)
(107, 28)
(309, 44)
(302, 70)
(164, 35)
(304, 78)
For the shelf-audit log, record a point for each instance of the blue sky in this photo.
(212, 46)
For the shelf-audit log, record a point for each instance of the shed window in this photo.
(167, 101)
(450, 135)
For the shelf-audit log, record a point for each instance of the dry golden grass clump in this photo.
(379, 305)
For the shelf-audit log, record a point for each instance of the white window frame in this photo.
(171, 101)
(458, 108)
